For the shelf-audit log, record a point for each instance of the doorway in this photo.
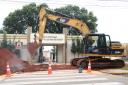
(46, 53)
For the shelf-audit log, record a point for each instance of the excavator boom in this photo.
(79, 25)
(42, 23)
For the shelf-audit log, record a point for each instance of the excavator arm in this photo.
(79, 25)
(42, 23)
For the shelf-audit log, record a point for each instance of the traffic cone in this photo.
(8, 71)
(49, 69)
(89, 67)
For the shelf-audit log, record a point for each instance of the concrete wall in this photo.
(125, 45)
(64, 49)
(61, 54)
(70, 55)
(15, 38)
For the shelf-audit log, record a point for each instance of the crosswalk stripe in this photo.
(51, 81)
(50, 77)
(57, 78)
(54, 74)
(105, 83)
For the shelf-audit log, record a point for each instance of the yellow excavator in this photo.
(97, 47)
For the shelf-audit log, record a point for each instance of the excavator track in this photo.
(74, 61)
(98, 63)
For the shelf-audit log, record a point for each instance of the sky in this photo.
(112, 14)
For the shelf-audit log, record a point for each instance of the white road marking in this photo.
(105, 83)
(52, 81)
(64, 78)
(54, 74)
(50, 77)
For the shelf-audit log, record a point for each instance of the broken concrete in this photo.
(6, 56)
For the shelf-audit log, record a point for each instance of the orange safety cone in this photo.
(49, 69)
(89, 67)
(8, 71)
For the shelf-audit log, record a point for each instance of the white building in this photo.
(61, 42)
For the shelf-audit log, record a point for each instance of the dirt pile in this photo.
(18, 65)
(6, 56)
(44, 67)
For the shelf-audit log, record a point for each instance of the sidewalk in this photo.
(114, 71)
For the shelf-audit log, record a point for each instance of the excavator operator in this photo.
(90, 44)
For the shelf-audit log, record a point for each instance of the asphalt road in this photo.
(63, 77)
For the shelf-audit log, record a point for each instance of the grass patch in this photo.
(125, 68)
(126, 60)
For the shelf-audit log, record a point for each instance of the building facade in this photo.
(61, 43)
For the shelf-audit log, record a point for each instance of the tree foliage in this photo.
(81, 14)
(1, 31)
(6, 43)
(20, 19)
(73, 47)
(77, 46)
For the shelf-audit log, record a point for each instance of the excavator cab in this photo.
(97, 43)
(101, 44)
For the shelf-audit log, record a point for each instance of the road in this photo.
(63, 77)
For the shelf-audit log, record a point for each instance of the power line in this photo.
(63, 3)
(114, 0)
(15, 1)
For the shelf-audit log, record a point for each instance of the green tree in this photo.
(73, 48)
(82, 46)
(77, 46)
(78, 41)
(6, 43)
(1, 31)
(81, 14)
(20, 19)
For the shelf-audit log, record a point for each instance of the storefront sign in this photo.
(51, 38)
